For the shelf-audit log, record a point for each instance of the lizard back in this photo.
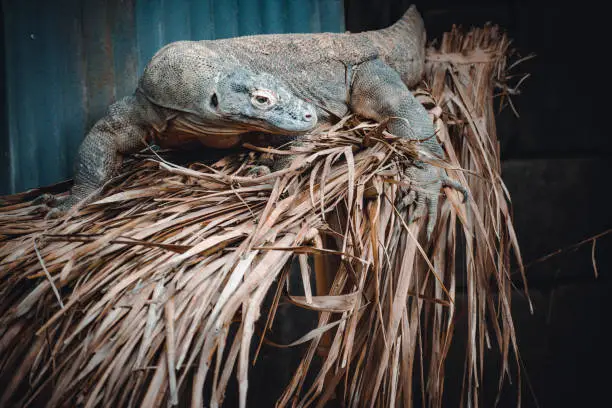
(317, 67)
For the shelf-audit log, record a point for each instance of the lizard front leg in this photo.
(377, 92)
(100, 155)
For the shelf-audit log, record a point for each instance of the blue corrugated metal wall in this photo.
(67, 60)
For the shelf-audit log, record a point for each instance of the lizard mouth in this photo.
(231, 126)
(291, 126)
(267, 127)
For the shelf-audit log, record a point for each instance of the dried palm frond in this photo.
(152, 293)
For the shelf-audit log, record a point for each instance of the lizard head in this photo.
(261, 102)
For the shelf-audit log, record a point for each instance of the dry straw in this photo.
(153, 293)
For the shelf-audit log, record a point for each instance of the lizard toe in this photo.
(419, 209)
(432, 213)
(449, 182)
(407, 200)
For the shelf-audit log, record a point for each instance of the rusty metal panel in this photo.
(65, 61)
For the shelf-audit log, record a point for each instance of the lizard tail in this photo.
(404, 46)
(411, 21)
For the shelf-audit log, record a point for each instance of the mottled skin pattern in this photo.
(217, 91)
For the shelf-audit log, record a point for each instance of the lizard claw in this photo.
(426, 183)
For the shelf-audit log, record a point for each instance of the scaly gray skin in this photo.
(216, 91)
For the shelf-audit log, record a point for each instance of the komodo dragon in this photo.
(283, 84)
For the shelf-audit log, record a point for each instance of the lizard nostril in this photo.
(308, 116)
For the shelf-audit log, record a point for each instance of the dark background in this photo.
(556, 164)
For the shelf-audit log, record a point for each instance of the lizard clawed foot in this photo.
(44, 199)
(426, 182)
(53, 206)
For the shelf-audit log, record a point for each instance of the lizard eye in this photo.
(263, 99)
